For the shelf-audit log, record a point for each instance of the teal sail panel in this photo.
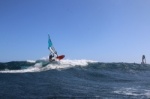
(49, 42)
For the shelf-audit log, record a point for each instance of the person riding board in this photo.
(53, 52)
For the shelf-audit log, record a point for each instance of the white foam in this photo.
(31, 61)
(63, 64)
(35, 68)
(133, 92)
(44, 58)
(147, 93)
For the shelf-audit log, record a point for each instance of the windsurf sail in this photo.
(50, 46)
(49, 42)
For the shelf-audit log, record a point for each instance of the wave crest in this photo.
(44, 65)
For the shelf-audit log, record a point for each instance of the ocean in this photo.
(75, 79)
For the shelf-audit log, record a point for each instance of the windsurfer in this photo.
(52, 54)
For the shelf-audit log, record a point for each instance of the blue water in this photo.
(74, 79)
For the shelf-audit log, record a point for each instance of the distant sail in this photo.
(143, 60)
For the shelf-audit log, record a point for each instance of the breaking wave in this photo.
(40, 65)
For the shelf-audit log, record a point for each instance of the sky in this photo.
(101, 30)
